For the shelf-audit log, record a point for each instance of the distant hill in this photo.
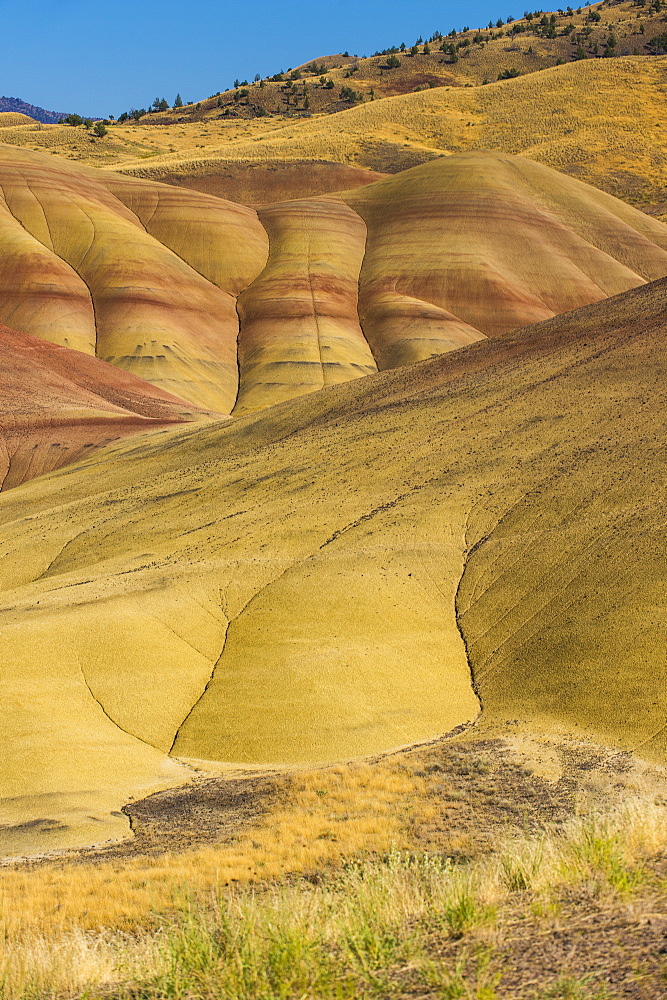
(39, 114)
(471, 57)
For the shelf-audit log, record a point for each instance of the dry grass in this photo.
(368, 922)
(331, 813)
(482, 55)
(9, 119)
(79, 144)
(600, 120)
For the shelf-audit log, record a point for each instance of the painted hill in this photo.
(58, 406)
(260, 183)
(146, 276)
(150, 289)
(317, 580)
(32, 111)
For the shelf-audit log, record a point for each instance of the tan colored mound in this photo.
(265, 183)
(79, 268)
(482, 243)
(299, 325)
(11, 118)
(57, 406)
(290, 586)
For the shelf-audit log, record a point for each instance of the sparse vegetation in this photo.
(366, 926)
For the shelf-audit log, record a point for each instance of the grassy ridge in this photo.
(599, 120)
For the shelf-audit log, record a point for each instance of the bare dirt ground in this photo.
(478, 790)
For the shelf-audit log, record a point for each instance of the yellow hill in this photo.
(599, 120)
(314, 582)
(10, 118)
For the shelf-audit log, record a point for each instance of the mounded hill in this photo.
(316, 581)
(496, 240)
(58, 406)
(9, 118)
(15, 105)
(150, 287)
(146, 276)
(463, 247)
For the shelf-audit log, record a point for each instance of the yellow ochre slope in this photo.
(316, 581)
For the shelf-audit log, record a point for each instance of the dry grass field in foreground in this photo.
(485, 870)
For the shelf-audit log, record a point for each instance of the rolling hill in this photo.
(58, 405)
(319, 579)
(474, 56)
(599, 120)
(8, 119)
(175, 287)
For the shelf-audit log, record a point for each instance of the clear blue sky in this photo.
(102, 58)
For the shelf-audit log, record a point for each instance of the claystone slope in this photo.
(316, 581)
(146, 276)
(59, 405)
(150, 287)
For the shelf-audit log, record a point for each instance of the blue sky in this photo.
(101, 59)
